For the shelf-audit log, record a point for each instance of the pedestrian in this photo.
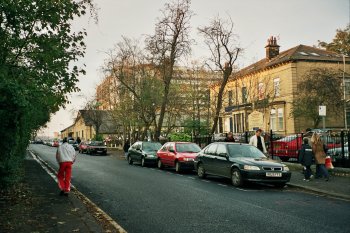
(306, 158)
(65, 157)
(229, 137)
(78, 140)
(319, 150)
(258, 141)
(126, 148)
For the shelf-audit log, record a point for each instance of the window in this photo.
(230, 96)
(211, 150)
(221, 150)
(276, 86)
(261, 91)
(273, 119)
(280, 118)
(244, 95)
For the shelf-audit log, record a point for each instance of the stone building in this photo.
(261, 95)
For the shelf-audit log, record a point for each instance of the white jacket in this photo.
(254, 141)
(65, 153)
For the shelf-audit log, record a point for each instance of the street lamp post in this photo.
(344, 92)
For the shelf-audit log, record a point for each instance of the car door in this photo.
(138, 151)
(162, 153)
(221, 163)
(132, 151)
(171, 154)
(208, 158)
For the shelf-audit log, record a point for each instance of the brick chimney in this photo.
(272, 48)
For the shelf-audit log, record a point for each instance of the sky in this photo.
(293, 22)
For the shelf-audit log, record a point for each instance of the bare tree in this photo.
(93, 116)
(169, 42)
(221, 41)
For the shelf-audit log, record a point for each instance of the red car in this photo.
(288, 147)
(177, 154)
(82, 147)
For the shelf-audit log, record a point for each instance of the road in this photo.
(152, 200)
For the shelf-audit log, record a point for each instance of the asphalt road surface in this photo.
(152, 200)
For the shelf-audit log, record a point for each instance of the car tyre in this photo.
(177, 167)
(201, 171)
(160, 164)
(236, 177)
(130, 160)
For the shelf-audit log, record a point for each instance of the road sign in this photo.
(322, 110)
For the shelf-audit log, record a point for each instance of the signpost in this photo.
(322, 113)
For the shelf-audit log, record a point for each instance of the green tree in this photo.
(319, 86)
(340, 43)
(37, 48)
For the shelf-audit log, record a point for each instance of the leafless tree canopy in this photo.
(221, 41)
(169, 43)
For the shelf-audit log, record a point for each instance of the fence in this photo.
(287, 147)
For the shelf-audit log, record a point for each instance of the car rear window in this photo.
(151, 146)
(96, 144)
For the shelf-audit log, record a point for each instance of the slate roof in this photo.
(298, 53)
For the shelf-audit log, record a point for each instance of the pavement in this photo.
(76, 213)
(42, 209)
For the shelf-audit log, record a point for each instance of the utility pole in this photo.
(344, 92)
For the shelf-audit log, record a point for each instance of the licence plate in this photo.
(273, 174)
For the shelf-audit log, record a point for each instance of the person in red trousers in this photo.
(65, 157)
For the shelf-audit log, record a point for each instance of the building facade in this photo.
(262, 94)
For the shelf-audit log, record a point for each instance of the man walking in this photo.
(258, 141)
(65, 157)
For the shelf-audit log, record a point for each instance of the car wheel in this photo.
(143, 163)
(236, 178)
(130, 160)
(177, 167)
(201, 171)
(159, 164)
(280, 185)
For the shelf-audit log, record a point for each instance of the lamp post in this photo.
(344, 92)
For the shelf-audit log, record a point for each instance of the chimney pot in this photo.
(272, 48)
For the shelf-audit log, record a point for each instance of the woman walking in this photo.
(318, 148)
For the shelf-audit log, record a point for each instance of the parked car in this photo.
(240, 163)
(82, 147)
(336, 153)
(143, 152)
(96, 147)
(288, 147)
(73, 143)
(218, 137)
(55, 143)
(177, 154)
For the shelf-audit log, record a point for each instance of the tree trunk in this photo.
(226, 75)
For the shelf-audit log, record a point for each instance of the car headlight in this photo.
(188, 159)
(253, 168)
(285, 168)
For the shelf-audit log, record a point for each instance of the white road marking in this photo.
(191, 178)
(223, 185)
(52, 172)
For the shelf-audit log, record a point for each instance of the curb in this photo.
(320, 191)
(337, 171)
(98, 211)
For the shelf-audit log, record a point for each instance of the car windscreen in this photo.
(96, 144)
(187, 147)
(151, 146)
(246, 151)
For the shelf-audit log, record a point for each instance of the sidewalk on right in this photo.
(337, 186)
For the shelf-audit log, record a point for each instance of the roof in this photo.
(298, 53)
(109, 124)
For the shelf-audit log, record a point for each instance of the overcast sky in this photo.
(293, 22)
